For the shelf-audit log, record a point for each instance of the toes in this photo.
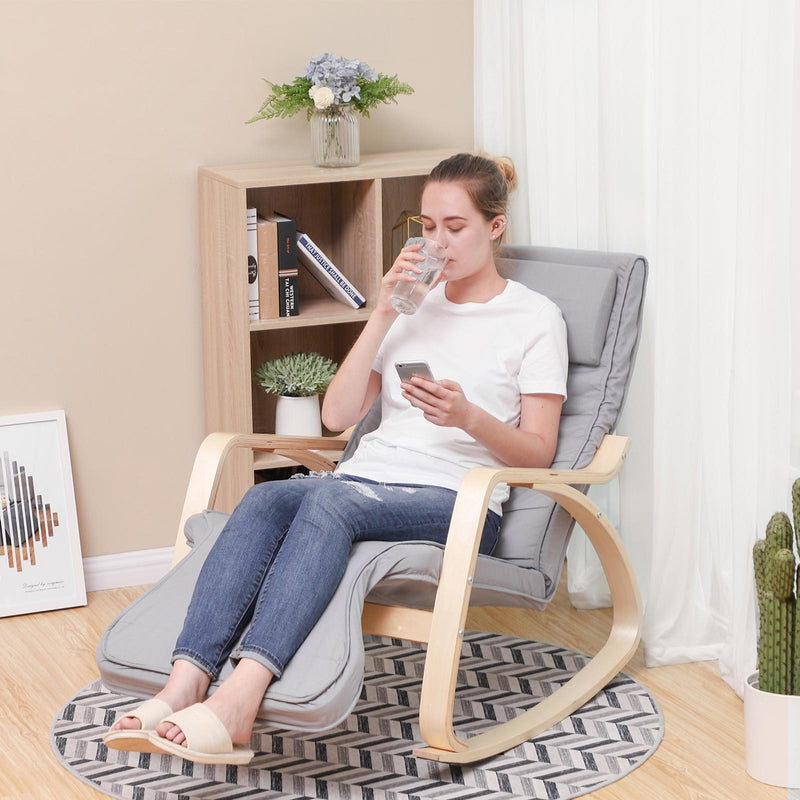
(175, 735)
(127, 724)
(166, 730)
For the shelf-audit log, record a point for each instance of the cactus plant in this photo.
(796, 510)
(777, 589)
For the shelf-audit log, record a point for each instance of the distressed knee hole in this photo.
(365, 490)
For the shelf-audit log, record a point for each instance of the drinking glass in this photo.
(407, 297)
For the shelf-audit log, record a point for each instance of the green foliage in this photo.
(777, 588)
(296, 374)
(383, 90)
(285, 100)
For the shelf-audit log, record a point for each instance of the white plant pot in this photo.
(298, 416)
(771, 735)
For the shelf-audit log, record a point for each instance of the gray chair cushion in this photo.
(535, 531)
(322, 682)
(598, 293)
(569, 286)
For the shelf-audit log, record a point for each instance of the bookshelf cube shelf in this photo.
(349, 213)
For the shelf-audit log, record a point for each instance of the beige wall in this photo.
(107, 109)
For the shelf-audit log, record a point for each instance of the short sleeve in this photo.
(545, 362)
(377, 364)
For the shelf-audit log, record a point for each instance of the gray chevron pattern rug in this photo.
(368, 756)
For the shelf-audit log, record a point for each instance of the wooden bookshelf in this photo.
(349, 212)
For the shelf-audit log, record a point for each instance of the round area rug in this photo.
(368, 756)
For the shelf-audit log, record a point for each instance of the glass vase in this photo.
(334, 136)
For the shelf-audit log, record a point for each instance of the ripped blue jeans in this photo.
(282, 553)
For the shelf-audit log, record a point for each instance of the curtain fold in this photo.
(670, 128)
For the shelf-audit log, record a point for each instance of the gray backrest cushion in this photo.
(601, 296)
(535, 531)
(585, 296)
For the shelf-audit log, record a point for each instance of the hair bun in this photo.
(507, 170)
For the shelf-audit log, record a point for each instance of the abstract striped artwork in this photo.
(369, 755)
(26, 520)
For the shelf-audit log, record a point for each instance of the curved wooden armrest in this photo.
(453, 596)
(476, 489)
(607, 462)
(210, 459)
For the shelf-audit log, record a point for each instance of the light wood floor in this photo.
(47, 657)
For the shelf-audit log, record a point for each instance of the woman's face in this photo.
(449, 216)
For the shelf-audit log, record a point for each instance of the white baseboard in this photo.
(126, 569)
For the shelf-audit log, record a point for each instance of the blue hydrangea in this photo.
(340, 75)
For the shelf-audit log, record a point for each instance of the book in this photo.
(268, 281)
(252, 262)
(324, 270)
(286, 238)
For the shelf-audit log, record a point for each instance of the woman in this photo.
(499, 351)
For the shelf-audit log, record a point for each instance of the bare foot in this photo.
(187, 684)
(235, 702)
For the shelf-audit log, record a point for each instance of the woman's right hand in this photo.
(405, 269)
(355, 385)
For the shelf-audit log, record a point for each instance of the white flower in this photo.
(321, 95)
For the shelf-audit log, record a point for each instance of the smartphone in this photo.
(405, 369)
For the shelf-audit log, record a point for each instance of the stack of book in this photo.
(274, 244)
(273, 292)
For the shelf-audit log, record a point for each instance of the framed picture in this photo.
(40, 550)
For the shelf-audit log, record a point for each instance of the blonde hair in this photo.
(487, 180)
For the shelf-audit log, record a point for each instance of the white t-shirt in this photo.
(496, 351)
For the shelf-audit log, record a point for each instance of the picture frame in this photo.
(41, 567)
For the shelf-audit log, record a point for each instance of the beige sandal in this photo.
(149, 713)
(207, 740)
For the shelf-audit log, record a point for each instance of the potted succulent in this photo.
(333, 91)
(297, 379)
(772, 695)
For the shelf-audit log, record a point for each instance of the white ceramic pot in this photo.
(771, 735)
(298, 416)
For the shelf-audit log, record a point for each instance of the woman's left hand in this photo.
(442, 402)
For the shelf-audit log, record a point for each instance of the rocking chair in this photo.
(390, 588)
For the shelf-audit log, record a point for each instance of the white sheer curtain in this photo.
(670, 128)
